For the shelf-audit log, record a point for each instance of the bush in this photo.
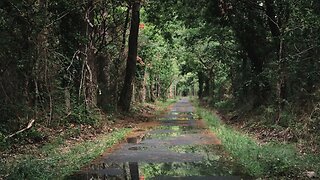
(80, 115)
(273, 160)
(31, 168)
(3, 142)
(29, 136)
(225, 105)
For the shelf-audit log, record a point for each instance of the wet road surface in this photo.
(181, 147)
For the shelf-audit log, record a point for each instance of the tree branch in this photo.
(22, 130)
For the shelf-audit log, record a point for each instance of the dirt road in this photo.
(181, 147)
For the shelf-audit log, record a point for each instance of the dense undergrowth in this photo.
(57, 159)
(68, 126)
(41, 131)
(295, 124)
(272, 159)
(39, 153)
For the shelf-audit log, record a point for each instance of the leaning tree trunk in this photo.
(89, 66)
(126, 93)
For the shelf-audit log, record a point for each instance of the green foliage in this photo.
(160, 57)
(56, 165)
(234, 49)
(32, 135)
(45, 61)
(3, 142)
(225, 105)
(237, 53)
(261, 160)
(163, 105)
(81, 115)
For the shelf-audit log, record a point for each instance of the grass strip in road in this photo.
(55, 162)
(270, 160)
(162, 106)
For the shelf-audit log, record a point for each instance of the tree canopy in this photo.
(64, 60)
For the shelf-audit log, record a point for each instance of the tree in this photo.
(126, 92)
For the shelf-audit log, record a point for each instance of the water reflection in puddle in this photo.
(180, 148)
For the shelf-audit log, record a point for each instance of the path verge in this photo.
(268, 160)
(62, 155)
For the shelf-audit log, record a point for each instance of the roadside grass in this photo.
(270, 160)
(56, 160)
(163, 105)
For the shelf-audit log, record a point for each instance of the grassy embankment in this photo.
(57, 159)
(269, 160)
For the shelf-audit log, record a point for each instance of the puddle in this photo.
(181, 148)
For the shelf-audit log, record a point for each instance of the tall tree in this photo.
(126, 92)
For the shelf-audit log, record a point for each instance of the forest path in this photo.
(181, 147)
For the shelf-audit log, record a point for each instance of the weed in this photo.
(56, 162)
(81, 115)
(226, 105)
(3, 142)
(261, 160)
(164, 104)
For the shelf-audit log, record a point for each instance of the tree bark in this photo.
(144, 87)
(211, 85)
(103, 82)
(117, 66)
(200, 80)
(274, 21)
(67, 100)
(90, 70)
(126, 93)
(42, 71)
(254, 45)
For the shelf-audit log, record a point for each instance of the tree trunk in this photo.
(42, 79)
(272, 20)
(90, 77)
(144, 87)
(126, 93)
(67, 98)
(206, 87)
(140, 86)
(211, 85)
(103, 81)
(152, 93)
(275, 22)
(117, 66)
(253, 41)
(200, 80)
